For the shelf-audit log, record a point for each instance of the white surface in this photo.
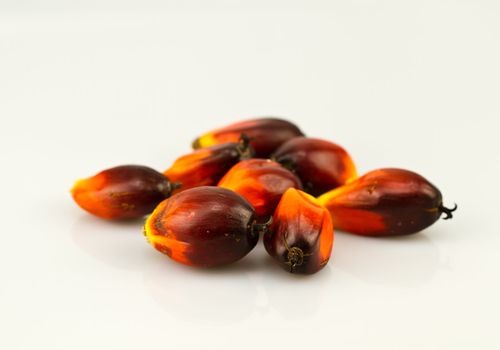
(404, 84)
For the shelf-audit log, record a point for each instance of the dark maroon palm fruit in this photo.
(206, 166)
(122, 192)
(320, 164)
(204, 226)
(386, 202)
(300, 237)
(266, 135)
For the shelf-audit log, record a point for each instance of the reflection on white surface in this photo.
(232, 293)
(406, 261)
(171, 285)
(254, 284)
(294, 297)
(224, 295)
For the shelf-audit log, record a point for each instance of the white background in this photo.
(86, 86)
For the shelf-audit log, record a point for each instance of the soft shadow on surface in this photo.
(295, 296)
(114, 243)
(406, 261)
(256, 283)
(234, 292)
(221, 295)
(215, 295)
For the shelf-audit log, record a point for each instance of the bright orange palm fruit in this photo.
(262, 182)
(203, 226)
(321, 165)
(300, 237)
(205, 167)
(385, 202)
(122, 192)
(266, 134)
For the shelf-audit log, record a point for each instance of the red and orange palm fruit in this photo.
(265, 134)
(321, 165)
(122, 192)
(300, 237)
(262, 182)
(203, 226)
(205, 167)
(385, 202)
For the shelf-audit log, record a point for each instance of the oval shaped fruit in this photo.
(203, 226)
(300, 237)
(266, 134)
(321, 165)
(205, 167)
(262, 182)
(122, 192)
(385, 202)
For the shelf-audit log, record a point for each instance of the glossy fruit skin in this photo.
(320, 164)
(262, 182)
(266, 134)
(122, 192)
(205, 167)
(204, 226)
(300, 237)
(385, 202)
